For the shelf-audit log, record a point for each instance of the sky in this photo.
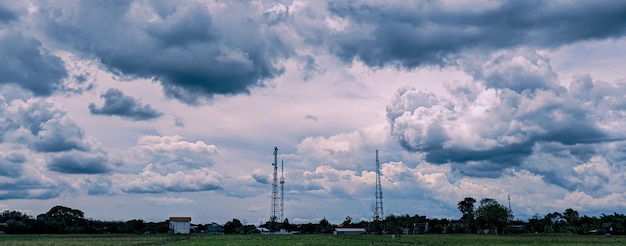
(150, 109)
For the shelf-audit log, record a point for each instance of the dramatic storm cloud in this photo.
(195, 51)
(116, 103)
(460, 98)
(434, 32)
(26, 63)
(78, 163)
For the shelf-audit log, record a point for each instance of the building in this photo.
(180, 225)
(350, 231)
(261, 230)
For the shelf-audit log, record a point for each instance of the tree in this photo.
(324, 226)
(492, 215)
(14, 214)
(65, 220)
(286, 224)
(466, 206)
(572, 218)
(347, 222)
(233, 226)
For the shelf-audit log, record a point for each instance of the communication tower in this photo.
(274, 209)
(378, 213)
(282, 191)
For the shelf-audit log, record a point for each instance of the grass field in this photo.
(428, 239)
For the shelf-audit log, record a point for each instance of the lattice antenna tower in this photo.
(274, 209)
(379, 193)
(510, 210)
(282, 191)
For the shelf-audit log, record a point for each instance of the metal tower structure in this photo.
(378, 213)
(274, 209)
(509, 202)
(282, 191)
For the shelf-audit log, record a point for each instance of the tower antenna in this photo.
(378, 213)
(282, 190)
(274, 209)
(509, 196)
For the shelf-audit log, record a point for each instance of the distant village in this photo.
(487, 218)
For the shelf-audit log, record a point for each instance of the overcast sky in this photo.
(151, 109)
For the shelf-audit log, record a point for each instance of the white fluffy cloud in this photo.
(172, 153)
(487, 125)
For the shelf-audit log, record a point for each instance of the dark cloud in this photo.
(78, 163)
(410, 34)
(27, 187)
(179, 121)
(27, 64)
(51, 130)
(11, 164)
(24, 194)
(260, 178)
(311, 117)
(116, 103)
(177, 188)
(193, 53)
(485, 128)
(202, 187)
(98, 186)
(7, 15)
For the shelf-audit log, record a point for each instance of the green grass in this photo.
(234, 240)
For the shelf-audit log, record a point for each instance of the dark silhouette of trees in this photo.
(347, 222)
(233, 227)
(62, 219)
(492, 215)
(489, 215)
(325, 227)
(466, 206)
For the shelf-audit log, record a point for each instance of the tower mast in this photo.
(274, 209)
(379, 193)
(282, 191)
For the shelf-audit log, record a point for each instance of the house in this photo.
(180, 225)
(261, 230)
(349, 231)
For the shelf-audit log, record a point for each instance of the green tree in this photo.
(135, 226)
(65, 220)
(466, 206)
(233, 226)
(14, 214)
(492, 215)
(324, 227)
(347, 222)
(572, 219)
(286, 224)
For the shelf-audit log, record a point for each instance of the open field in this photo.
(428, 239)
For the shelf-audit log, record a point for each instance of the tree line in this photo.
(484, 216)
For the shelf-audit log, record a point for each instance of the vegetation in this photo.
(489, 217)
(310, 239)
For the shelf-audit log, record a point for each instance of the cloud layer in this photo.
(480, 98)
